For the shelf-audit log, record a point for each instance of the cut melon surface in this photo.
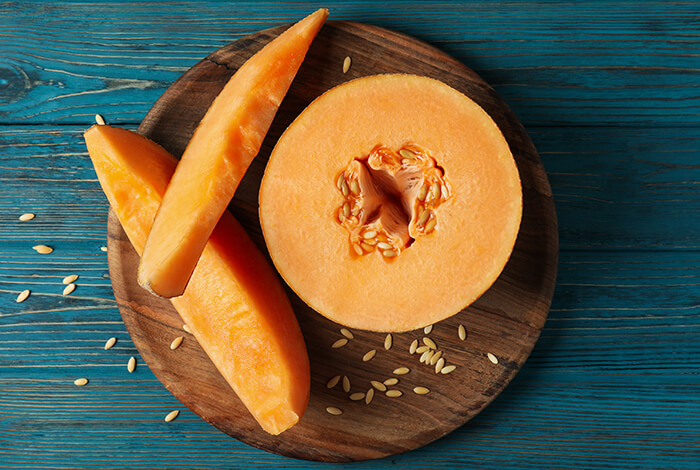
(391, 203)
(234, 304)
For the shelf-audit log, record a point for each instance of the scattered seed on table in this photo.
(333, 381)
(81, 382)
(23, 296)
(110, 342)
(369, 355)
(369, 396)
(103, 248)
(447, 369)
(394, 393)
(69, 289)
(176, 342)
(402, 371)
(26, 217)
(339, 343)
(346, 64)
(391, 381)
(439, 365)
(378, 385)
(171, 416)
(346, 384)
(422, 349)
(357, 396)
(131, 365)
(186, 328)
(42, 249)
(462, 332)
(492, 358)
(430, 343)
(100, 120)
(413, 347)
(334, 411)
(388, 341)
(347, 333)
(421, 390)
(425, 357)
(435, 357)
(428, 329)
(70, 279)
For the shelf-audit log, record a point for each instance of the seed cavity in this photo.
(339, 343)
(413, 347)
(421, 390)
(378, 385)
(383, 246)
(492, 358)
(69, 289)
(23, 296)
(110, 343)
(172, 415)
(401, 371)
(357, 396)
(369, 355)
(80, 382)
(26, 217)
(347, 333)
(333, 381)
(346, 384)
(334, 411)
(388, 341)
(462, 332)
(347, 62)
(389, 253)
(394, 393)
(43, 249)
(131, 365)
(70, 279)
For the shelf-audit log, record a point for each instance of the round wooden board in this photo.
(506, 321)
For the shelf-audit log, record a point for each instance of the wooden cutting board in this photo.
(505, 322)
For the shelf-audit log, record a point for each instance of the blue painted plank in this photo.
(569, 63)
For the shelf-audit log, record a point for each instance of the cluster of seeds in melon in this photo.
(390, 199)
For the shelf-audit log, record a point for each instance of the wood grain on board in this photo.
(505, 322)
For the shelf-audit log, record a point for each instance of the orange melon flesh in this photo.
(447, 265)
(216, 158)
(234, 303)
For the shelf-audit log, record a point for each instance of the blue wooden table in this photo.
(610, 93)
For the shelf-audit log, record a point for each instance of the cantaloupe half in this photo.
(391, 203)
(216, 158)
(234, 304)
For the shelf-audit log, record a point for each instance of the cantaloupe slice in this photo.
(219, 153)
(391, 203)
(234, 303)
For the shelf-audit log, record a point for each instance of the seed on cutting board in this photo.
(369, 396)
(186, 328)
(369, 355)
(413, 347)
(131, 365)
(100, 120)
(388, 341)
(334, 411)
(346, 64)
(42, 249)
(391, 381)
(23, 296)
(346, 384)
(439, 365)
(428, 329)
(70, 279)
(394, 393)
(462, 332)
(422, 349)
(401, 371)
(339, 343)
(80, 382)
(492, 358)
(26, 217)
(425, 357)
(430, 343)
(176, 342)
(69, 289)
(333, 381)
(378, 385)
(171, 416)
(435, 357)
(110, 342)
(421, 390)
(447, 369)
(347, 333)
(357, 396)
(103, 248)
